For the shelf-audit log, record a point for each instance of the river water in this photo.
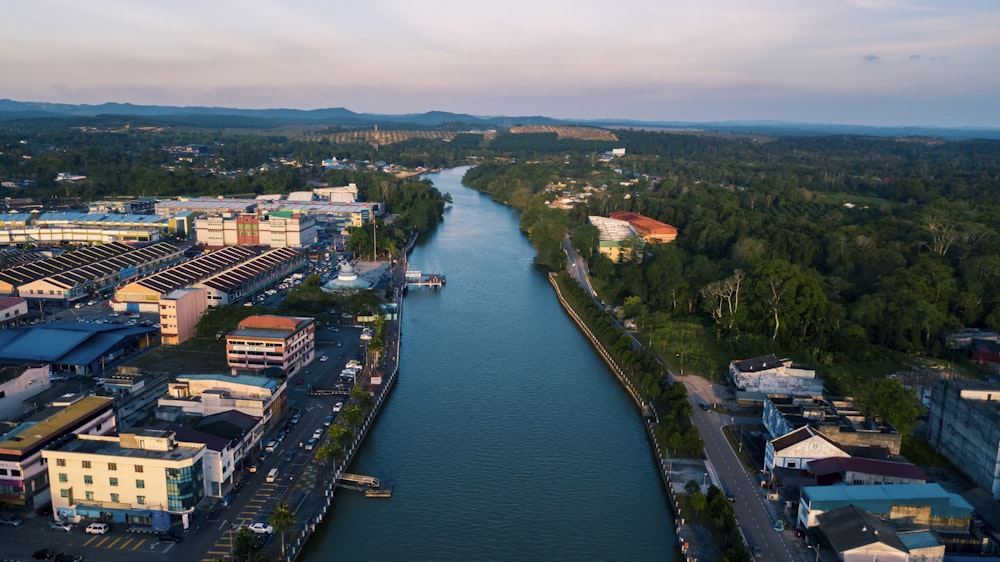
(506, 437)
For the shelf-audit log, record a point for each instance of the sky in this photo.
(865, 62)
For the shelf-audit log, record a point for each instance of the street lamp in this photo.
(704, 480)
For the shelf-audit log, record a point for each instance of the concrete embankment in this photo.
(686, 535)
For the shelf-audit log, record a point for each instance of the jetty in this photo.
(369, 485)
(417, 278)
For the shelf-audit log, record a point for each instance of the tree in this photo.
(340, 434)
(282, 519)
(246, 547)
(362, 397)
(352, 414)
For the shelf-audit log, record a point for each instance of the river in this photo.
(506, 437)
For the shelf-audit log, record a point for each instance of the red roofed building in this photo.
(13, 309)
(260, 342)
(652, 231)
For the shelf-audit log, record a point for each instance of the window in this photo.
(138, 468)
(15, 472)
(114, 498)
(112, 466)
(64, 493)
(113, 481)
(60, 462)
(86, 464)
(140, 483)
(141, 500)
(63, 477)
(90, 496)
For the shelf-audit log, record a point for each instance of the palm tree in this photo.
(352, 414)
(282, 519)
(340, 434)
(331, 451)
(362, 397)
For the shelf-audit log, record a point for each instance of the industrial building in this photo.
(838, 419)
(617, 239)
(78, 348)
(651, 230)
(963, 425)
(245, 280)
(279, 229)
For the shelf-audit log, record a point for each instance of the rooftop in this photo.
(30, 434)
(248, 380)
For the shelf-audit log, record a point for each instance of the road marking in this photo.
(90, 540)
(125, 544)
(140, 543)
(102, 541)
(114, 542)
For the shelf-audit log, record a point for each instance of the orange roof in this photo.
(645, 225)
(269, 322)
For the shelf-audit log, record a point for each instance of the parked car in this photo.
(323, 358)
(310, 444)
(317, 433)
(290, 455)
(261, 528)
(43, 554)
(98, 529)
(295, 419)
(10, 521)
(60, 526)
(226, 501)
(68, 557)
(338, 406)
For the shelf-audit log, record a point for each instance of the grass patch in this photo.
(198, 355)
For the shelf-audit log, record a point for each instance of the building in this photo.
(855, 534)
(287, 343)
(651, 230)
(144, 294)
(77, 276)
(135, 395)
(864, 472)
(180, 311)
(263, 398)
(342, 194)
(768, 374)
(144, 479)
(236, 426)
(278, 229)
(908, 506)
(79, 348)
(23, 476)
(13, 310)
(18, 385)
(839, 419)
(798, 448)
(964, 426)
(245, 280)
(617, 240)
(220, 461)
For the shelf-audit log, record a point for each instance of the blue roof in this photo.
(69, 343)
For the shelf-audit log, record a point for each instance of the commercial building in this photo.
(146, 293)
(77, 276)
(260, 342)
(143, 479)
(908, 506)
(23, 476)
(222, 455)
(279, 229)
(964, 427)
(617, 240)
(651, 230)
(79, 348)
(838, 419)
(263, 398)
(180, 311)
(246, 279)
(13, 310)
(135, 395)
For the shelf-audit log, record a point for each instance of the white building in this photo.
(797, 448)
(768, 374)
(263, 398)
(142, 479)
(18, 384)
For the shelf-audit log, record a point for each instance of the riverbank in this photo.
(694, 540)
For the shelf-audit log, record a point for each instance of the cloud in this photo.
(914, 57)
(871, 58)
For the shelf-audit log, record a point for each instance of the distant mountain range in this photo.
(222, 117)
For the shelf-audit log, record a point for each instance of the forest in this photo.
(831, 250)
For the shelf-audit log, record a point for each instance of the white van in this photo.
(272, 475)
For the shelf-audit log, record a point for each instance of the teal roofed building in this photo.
(908, 506)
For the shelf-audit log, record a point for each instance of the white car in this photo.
(261, 528)
(311, 444)
(317, 434)
(97, 529)
(338, 406)
(323, 358)
(60, 526)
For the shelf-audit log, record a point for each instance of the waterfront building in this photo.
(263, 398)
(24, 479)
(617, 239)
(964, 427)
(180, 311)
(287, 343)
(143, 479)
